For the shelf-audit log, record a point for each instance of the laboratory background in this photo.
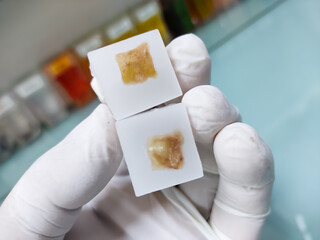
(265, 58)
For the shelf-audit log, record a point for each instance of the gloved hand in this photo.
(78, 191)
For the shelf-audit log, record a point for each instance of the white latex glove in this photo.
(74, 191)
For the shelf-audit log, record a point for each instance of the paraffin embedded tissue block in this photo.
(165, 151)
(135, 74)
(136, 65)
(159, 149)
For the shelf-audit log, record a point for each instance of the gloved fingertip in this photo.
(209, 111)
(245, 165)
(239, 144)
(190, 60)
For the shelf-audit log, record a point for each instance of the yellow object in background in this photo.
(119, 30)
(60, 65)
(148, 17)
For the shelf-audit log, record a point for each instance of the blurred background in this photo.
(265, 58)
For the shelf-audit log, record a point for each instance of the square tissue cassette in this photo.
(159, 148)
(134, 75)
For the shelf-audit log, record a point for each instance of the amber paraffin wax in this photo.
(159, 148)
(136, 65)
(135, 74)
(165, 151)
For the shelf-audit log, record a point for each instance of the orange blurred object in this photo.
(222, 5)
(200, 10)
(66, 74)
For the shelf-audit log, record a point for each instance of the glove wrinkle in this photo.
(125, 216)
(209, 111)
(191, 61)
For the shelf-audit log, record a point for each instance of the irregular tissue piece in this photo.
(165, 151)
(136, 65)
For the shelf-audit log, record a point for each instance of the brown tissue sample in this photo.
(165, 151)
(136, 65)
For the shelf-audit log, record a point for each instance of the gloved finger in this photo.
(190, 60)
(209, 111)
(246, 176)
(45, 202)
